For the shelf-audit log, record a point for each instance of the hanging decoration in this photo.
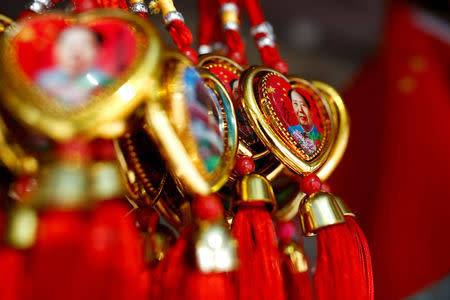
(148, 172)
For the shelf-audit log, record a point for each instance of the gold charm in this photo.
(68, 75)
(304, 126)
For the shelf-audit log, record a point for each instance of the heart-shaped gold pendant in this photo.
(305, 125)
(68, 75)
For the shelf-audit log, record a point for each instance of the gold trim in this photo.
(297, 257)
(319, 210)
(343, 207)
(254, 188)
(23, 100)
(12, 155)
(341, 118)
(5, 23)
(139, 186)
(204, 59)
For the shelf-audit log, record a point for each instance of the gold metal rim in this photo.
(204, 59)
(343, 129)
(185, 162)
(219, 177)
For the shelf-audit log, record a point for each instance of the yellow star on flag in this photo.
(271, 89)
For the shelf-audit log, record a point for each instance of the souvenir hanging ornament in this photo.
(192, 124)
(252, 224)
(305, 126)
(61, 91)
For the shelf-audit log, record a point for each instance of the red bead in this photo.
(208, 208)
(326, 187)
(285, 231)
(310, 183)
(244, 166)
(191, 54)
(23, 187)
(27, 14)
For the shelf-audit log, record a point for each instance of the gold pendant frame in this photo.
(262, 122)
(104, 116)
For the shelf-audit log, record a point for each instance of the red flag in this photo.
(395, 174)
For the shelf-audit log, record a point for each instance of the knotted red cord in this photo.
(270, 55)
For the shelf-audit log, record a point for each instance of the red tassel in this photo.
(169, 273)
(201, 286)
(209, 280)
(12, 274)
(365, 260)
(182, 278)
(113, 255)
(56, 256)
(343, 265)
(259, 275)
(77, 255)
(297, 284)
(207, 15)
(339, 273)
(295, 264)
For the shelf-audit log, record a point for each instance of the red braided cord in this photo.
(254, 11)
(269, 54)
(233, 40)
(208, 13)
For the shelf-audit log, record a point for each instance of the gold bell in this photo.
(22, 227)
(344, 208)
(254, 188)
(297, 257)
(215, 248)
(319, 210)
